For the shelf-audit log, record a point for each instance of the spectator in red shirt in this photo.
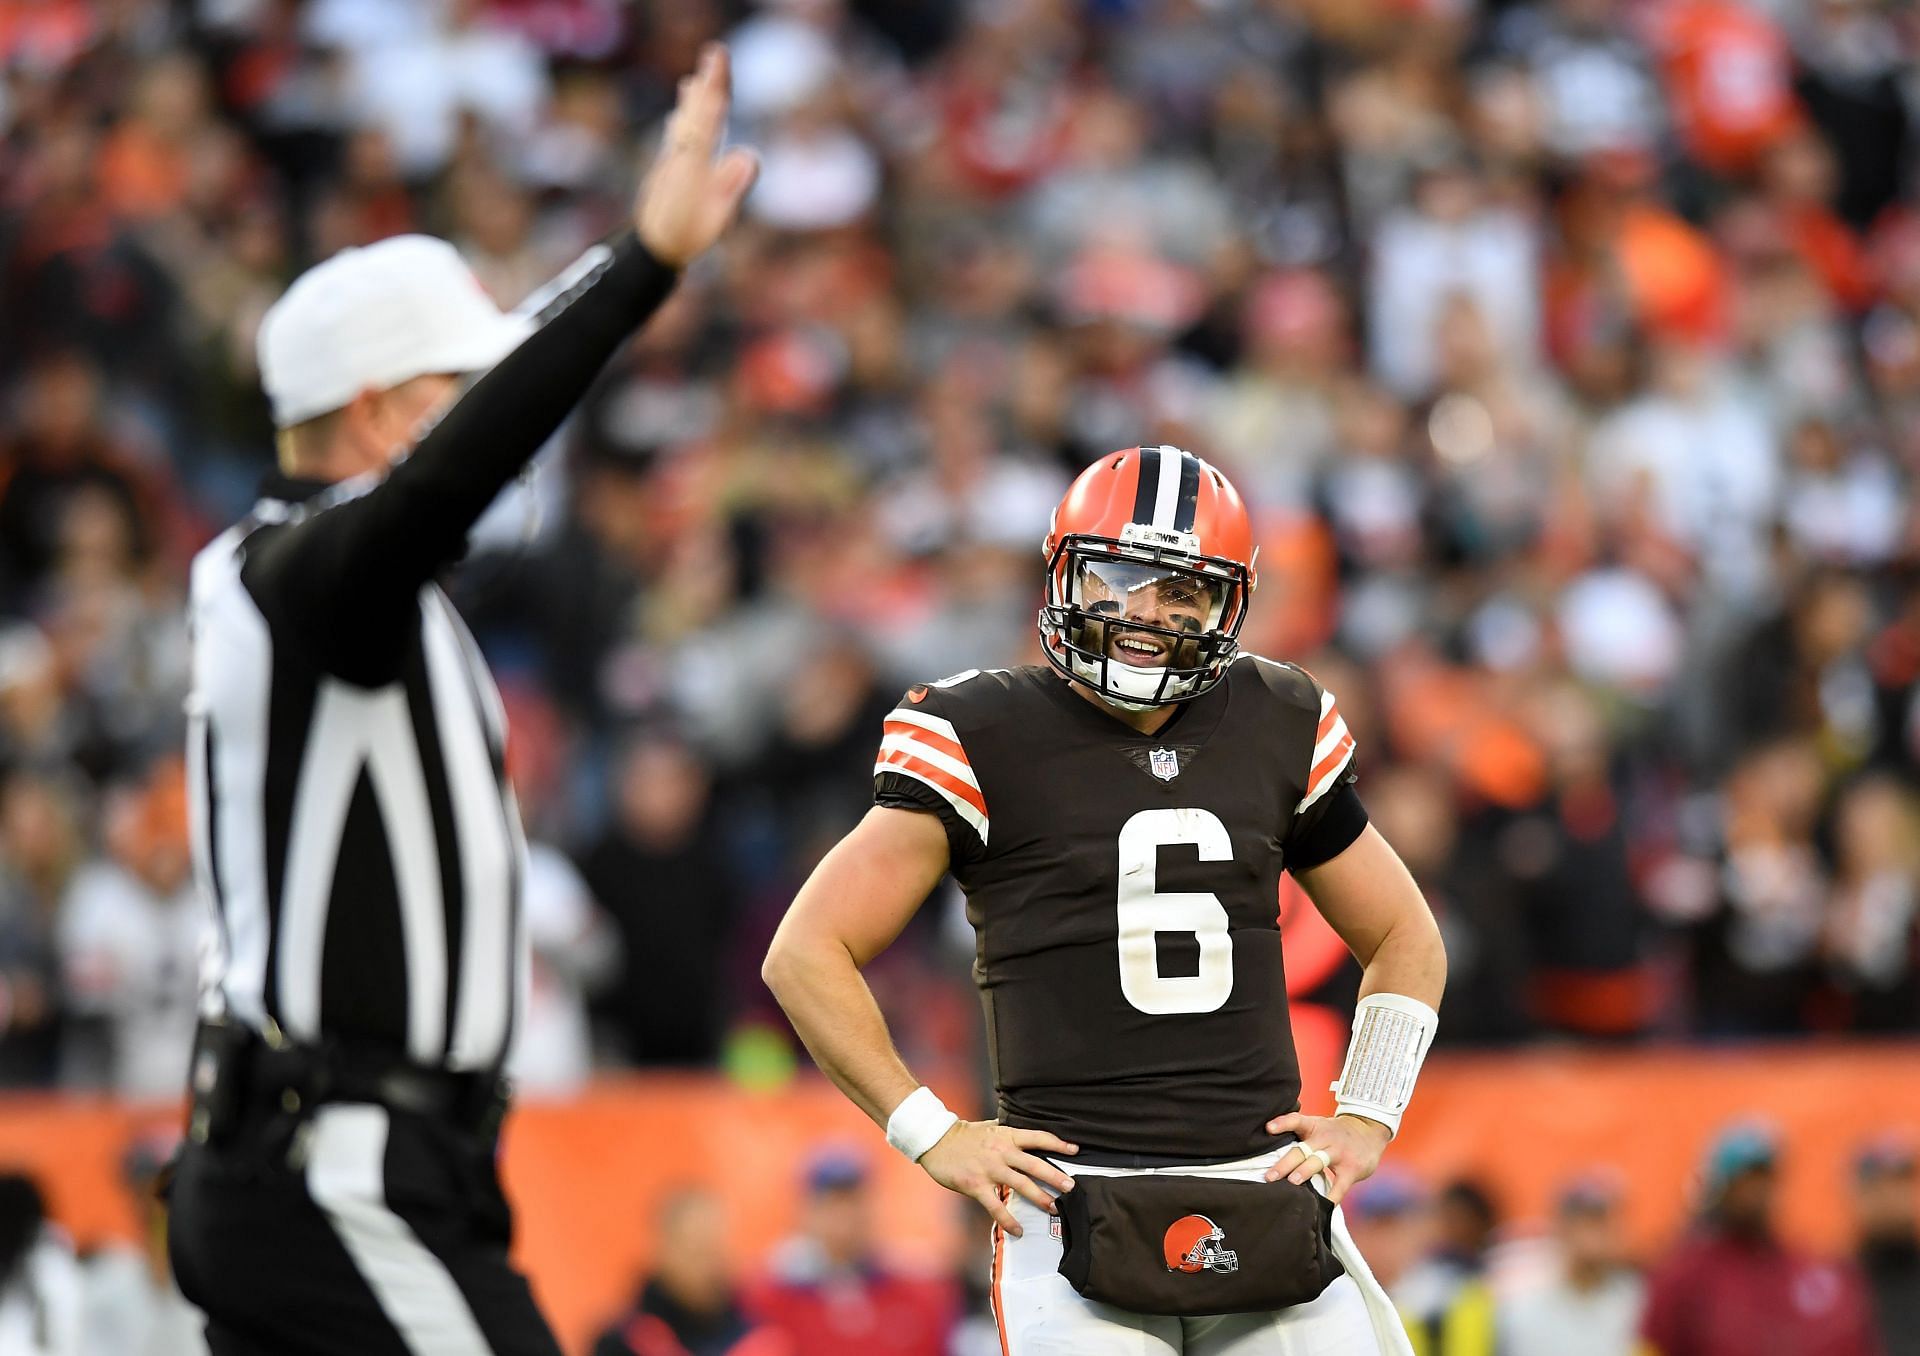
(829, 1292)
(1732, 1288)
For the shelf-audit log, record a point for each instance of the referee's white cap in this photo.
(373, 317)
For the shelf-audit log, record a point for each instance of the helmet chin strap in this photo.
(1127, 685)
(1126, 705)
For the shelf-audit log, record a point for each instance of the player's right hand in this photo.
(689, 198)
(981, 1158)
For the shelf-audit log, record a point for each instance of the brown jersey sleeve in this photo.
(1329, 816)
(922, 765)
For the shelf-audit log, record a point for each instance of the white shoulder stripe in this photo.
(1325, 748)
(934, 724)
(1327, 782)
(1332, 754)
(967, 812)
(927, 753)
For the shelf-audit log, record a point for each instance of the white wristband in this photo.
(1391, 1035)
(917, 1124)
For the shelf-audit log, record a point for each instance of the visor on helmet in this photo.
(1162, 595)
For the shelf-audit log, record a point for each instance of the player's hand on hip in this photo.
(982, 1158)
(689, 197)
(1341, 1150)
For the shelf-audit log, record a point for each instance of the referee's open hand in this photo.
(689, 197)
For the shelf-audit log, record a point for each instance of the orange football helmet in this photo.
(1150, 564)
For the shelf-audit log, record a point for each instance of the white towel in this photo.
(1388, 1331)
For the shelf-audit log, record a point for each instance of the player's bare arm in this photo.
(1370, 899)
(854, 904)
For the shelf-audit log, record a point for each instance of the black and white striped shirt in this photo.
(353, 823)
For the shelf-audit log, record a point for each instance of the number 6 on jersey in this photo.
(1145, 912)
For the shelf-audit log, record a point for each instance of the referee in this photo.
(352, 822)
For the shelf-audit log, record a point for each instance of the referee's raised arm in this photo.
(353, 825)
(347, 576)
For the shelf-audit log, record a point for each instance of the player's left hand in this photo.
(1352, 1144)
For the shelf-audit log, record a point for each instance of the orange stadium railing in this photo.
(586, 1175)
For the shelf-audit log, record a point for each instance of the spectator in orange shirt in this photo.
(1626, 256)
(144, 166)
(1729, 77)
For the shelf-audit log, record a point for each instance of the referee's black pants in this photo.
(357, 1230)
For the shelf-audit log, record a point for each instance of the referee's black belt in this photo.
(241, 1076)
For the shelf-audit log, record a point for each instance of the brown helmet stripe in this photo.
(1188, 501)
(1147, 488)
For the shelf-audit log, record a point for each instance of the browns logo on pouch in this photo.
(1194, 1243)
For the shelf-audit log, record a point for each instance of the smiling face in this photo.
(1153, 596)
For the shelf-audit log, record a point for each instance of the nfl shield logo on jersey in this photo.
(1164, 764)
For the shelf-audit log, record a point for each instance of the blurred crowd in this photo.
(1568, 352)
(1469, 1283)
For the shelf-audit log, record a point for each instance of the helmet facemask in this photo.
(1211, 1253)
(1142, 625)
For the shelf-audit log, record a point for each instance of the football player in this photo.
(1118, 819)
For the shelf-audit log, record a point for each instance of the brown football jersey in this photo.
(1123, 890)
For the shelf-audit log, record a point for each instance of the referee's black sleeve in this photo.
(347, 578)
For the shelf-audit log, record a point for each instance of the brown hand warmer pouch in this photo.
(1170, 1244)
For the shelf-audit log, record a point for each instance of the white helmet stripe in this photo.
(1166, 499)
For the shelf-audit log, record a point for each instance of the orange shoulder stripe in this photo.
(940, 777)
